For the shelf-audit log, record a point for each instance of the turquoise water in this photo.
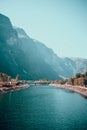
(43, 108)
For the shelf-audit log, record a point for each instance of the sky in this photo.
(59, 24)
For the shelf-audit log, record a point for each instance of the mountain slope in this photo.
(20, 54)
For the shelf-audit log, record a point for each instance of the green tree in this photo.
(78, 75)
(85, 74)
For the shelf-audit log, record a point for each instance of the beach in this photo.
(78, 89)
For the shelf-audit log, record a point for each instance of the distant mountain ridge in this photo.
(20, 54)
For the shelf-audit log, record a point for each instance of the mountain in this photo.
(81, 64)
(19, 54)
(31, 59)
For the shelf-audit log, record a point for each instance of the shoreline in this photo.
(78, 89)
(13, 88)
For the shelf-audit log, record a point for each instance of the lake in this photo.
(42, 107)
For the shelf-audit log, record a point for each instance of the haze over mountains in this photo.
(20, 54)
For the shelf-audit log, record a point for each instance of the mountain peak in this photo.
(4, 20)
(30, 58)
(7, 33)
(21, 33)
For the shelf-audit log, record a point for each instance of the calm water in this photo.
(43, 108)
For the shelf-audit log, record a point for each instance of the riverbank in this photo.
(13, 88)
(78, 89)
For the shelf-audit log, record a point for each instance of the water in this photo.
(43, 108)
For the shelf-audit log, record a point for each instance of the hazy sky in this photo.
(59, 24)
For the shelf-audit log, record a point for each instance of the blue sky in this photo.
(59, 24)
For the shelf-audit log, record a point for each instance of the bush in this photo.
(78, 75)
(85, 74)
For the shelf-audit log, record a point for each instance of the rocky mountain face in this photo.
(81, 64)
(20, 54)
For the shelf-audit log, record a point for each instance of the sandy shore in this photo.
(78, 89)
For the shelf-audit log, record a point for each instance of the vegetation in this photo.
(78, 75)
(4, 77)
(79, 79)
(7, 81)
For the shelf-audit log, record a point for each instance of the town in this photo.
(7, 83)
